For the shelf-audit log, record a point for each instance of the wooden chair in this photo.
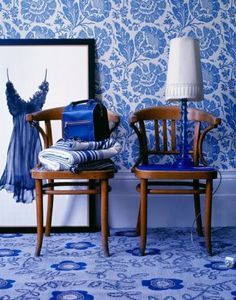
(96, 181)
(152, 176)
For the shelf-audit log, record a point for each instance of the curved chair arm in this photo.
(201, 139)
(202, 116)
(132, 120)
(46, 115)
(45, 138)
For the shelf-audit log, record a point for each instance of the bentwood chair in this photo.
(96, 181)
(155, 178)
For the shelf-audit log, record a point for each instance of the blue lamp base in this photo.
(184, 161)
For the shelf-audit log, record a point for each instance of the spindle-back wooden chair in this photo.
(152, 176)
(96, 180)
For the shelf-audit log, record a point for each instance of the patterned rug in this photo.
(72, 266)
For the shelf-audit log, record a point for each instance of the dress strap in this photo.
(46, 71)
(8, 75)
(45, 78)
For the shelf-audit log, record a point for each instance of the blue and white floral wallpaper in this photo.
(132, 41)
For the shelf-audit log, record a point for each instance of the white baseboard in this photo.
(169, 210)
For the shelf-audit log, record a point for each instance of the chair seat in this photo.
(162, 171)
(41, 173)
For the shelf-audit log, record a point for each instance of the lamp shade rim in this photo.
(185, 38)
(181, 91)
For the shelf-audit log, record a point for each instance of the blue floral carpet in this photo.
(72, 266)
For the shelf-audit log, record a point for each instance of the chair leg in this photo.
(104, 215)
(208, 208)
(39, 215)
(197, 206)
(92, 204)
(49, 212)
(143, 215)
(138, 222)
(49, 215)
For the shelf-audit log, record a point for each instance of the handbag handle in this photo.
(82, 101)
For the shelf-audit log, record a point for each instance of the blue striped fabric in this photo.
(60, 157)
(78, 145)
(102, 164)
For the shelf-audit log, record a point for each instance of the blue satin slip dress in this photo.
(24, 145)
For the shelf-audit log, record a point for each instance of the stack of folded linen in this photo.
(101, 164)
(69, 154)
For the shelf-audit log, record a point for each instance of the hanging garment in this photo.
(24, 145)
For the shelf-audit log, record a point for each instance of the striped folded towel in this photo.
(59, 158)
(102, 164)
(78, 145)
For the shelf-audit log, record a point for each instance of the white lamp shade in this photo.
(184, 76)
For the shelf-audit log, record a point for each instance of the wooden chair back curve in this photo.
(165, 126)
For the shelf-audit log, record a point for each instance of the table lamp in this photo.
(184, 83)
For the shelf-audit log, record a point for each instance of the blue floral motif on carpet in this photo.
(72, 266)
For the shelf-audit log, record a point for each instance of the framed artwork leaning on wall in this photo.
(62, 71)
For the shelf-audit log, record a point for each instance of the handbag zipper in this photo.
(77, 123)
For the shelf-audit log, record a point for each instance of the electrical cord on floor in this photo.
(230, 261)
(213, 193)
(219, 184)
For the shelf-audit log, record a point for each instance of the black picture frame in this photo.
(89, 44)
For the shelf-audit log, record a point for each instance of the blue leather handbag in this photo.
(85, 120)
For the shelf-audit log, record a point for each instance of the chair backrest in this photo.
(166, 126)
(55, 114)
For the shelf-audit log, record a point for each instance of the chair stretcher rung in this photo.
(74, 192)
(66, 183)
(187, 192)
(163, 152)
(176, 183)
(173, 191)
(71, 192)
(172, 183)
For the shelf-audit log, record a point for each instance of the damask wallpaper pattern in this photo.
(132, 42)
